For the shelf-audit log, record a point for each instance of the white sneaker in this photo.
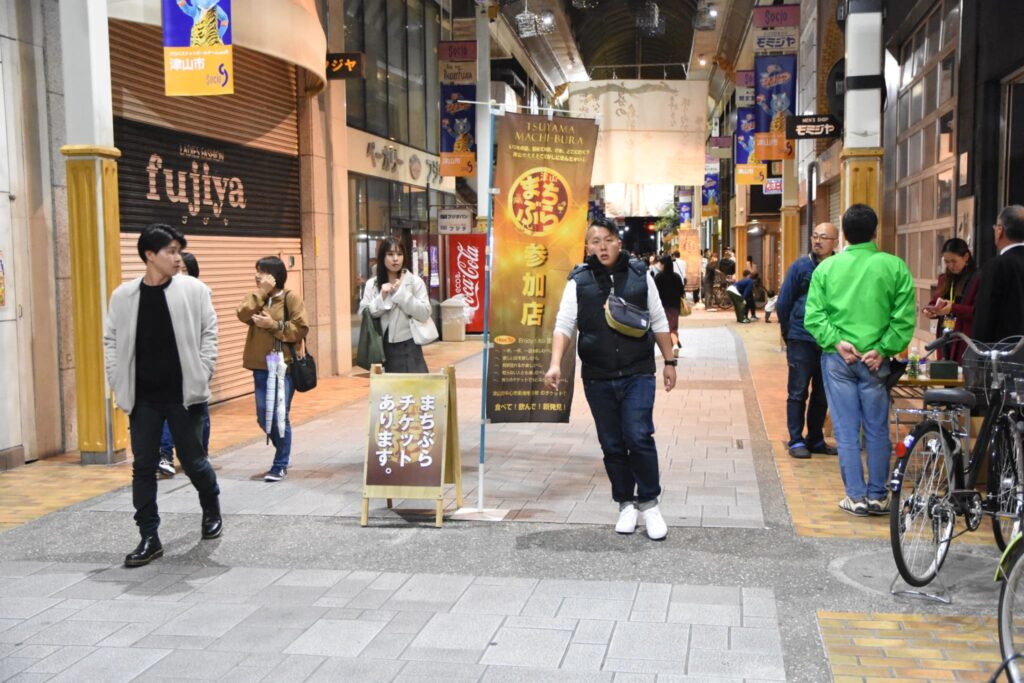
(657, 530)
(627, 520)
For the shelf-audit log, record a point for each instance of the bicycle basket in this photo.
(978, 376)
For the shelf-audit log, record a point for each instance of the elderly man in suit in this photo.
(999, 306)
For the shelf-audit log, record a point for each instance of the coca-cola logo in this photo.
(467, 263)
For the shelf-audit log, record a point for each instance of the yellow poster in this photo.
(539, 224)
(751, 174)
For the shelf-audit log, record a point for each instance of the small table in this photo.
(913, 388)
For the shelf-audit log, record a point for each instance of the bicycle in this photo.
(931, 484)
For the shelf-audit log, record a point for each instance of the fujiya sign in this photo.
(196, 185)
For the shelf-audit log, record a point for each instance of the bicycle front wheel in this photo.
(1011, 620)
(1005, 482)
(921, 516)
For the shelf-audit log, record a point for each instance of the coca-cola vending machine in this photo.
(466, 268)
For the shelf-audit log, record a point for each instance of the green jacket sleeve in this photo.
(901, 324)
(815, 318)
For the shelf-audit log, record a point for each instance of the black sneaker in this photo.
(276, 474)
(825, 449)
(165, 465)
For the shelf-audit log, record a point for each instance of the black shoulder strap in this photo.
(291, 347)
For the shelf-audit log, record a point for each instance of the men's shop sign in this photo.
(204, 186)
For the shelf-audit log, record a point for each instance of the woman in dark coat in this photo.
(952, 307)
(671, 292)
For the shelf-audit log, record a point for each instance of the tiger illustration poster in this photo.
(197, 48)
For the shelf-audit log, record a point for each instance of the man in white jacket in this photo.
(160, 348)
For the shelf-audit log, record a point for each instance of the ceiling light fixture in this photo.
(702, 61)
(712, 12)
(546, 22)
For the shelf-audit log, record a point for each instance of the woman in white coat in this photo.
(399, 299)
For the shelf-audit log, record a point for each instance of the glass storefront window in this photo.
(927, 199)
(944, 194)
(417, 84)
(398, 79)
(934, 25)
(914, 203)
(946, 141)
(914, 154)
(931, 87)
(901, 207)
(929, 144)
(916, 102)
(374, 41)
(901, 160)
(431, 25)
(920, 43)
(355, 89)
(907, 64)
(378, 204)
(951, 22)
(904, 121)
(946, 79)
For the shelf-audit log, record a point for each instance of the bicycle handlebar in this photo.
(949, 335)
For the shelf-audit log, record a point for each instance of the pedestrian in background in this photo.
(860, 309)
(400, 300)
(952, 307)
(670, 292)
(727, 265)
(741, 293)
(160, 350)
(999, 306)
(803, 355)
(190, 267)
(271, 329)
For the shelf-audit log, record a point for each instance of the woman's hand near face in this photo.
(265, 283)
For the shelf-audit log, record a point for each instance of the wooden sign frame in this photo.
(452, 466)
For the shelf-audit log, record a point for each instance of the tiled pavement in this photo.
(297, 591)
(245, 622)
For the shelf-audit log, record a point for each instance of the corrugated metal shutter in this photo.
(227, 265)
(261, 113)
(834, 204)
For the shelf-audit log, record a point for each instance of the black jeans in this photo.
(623, 411)
(186, 425)
(804, 360)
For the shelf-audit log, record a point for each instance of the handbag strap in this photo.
(291, 347)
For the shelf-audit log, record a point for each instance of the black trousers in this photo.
(186, 425)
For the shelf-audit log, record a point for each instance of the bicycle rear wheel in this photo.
(1011, 620)
(921, 516)
(1005, 482)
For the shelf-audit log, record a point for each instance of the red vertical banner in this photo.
(467, 259)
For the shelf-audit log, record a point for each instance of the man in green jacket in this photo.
(860, 309)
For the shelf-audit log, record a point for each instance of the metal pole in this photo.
(489, 253)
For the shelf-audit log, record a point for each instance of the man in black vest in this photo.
(618, 371)
(999, 306)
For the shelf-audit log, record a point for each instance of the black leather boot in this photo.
(149, 549)
(213, 525)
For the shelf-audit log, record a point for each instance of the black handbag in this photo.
(303, 370)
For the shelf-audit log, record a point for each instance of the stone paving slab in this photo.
(426, 627)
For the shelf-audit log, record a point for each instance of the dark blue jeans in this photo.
(146, 421)
(167, 441)
(804, 360)
(623, 413)
(282, 445)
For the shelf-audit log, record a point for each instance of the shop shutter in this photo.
(834, 204)
(261, 113)
(227, 266)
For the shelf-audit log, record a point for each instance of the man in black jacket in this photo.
(618, 371)
(999, 307)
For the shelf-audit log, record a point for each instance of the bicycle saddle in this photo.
(960, 397)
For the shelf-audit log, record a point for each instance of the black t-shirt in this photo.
(157, 366)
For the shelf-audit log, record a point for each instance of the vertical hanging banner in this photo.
(466, 267)
(709, 192)
(746, 126)
(197, 48)
(457, 74)
(774, 91)
(745, 88)
(686, 213)
(542, 183)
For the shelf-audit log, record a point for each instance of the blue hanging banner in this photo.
(774, 91)
(746, 126)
